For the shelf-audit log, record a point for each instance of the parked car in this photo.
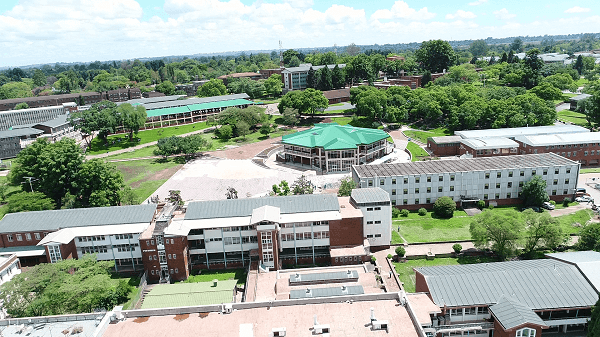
(548, 205)
(535, 208)
(584, 198)
(580, 190)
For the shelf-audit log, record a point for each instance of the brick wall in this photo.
(580, 150)
(150, 259)
(500, 332)
(346, 232)
(443, 149)
(421, 284)
(177, 248)
(4, 242)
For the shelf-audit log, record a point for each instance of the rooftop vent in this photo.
(278, 332)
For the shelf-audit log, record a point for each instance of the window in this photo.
(487, 176)
(522, 173)
(509, 184)
(393, 192)
(510, 173)
(568, 170)
(440, 189)
(370, 183)
(555, 182)
(394, 202)
(497, 185)
(533, 172)
(175, 255)
(428, 179)
(369, 236)
(369, 222)
(169, 256)
(27, 236)
(497, 196)
(37, 236)
(485, 197)
(171, 271)
(378, 222)
(377, 235)
(406, 191)
(451, 188)
(487, 186)
(393, 181)
(416, 190)
(553, 192)
(9, 237)
(417, 201)
(441, 178)
(406, 180)
(545, 172)
(428, 189)
(152, 272)
(508, 195)
(370, 209)
(470, 311)
(19, 237)
(152, 242)
(176, 270)
(565, 191)
(452, 178)
(555, 171)
(417, 180)
(405, 202)
(428, 201)
(378, 208)
(499, 175)
(381, 182)
(526, 332)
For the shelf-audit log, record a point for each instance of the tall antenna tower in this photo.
(280, 55)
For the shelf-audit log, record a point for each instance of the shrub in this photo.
(457, 247)
(225, 132)
(553, 202)
(566, 201)
(444, 207)
(490, 206)
(400, 251)
(373, 259)
(404, 212)
(389, 256)
(422, 211)
(481, 204)
(396, 212)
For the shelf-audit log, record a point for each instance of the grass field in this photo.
(121, 141)
(10, 190)
(189, 294)
(422, 135)
(417, 153)
(221, 275)
(415, 228)
(406, 274)
(590, 170)
(147, 175)
(572, 117)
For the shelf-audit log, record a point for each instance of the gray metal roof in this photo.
(588, 263)
(326, 292)
(560, 139)
(20, 132)
(306, 203)
(579, 97)
(445, 139)
(58, 121)
(370, 195)
(332, 276)
(462, 165)
(153, 99)
(511, 313)
(539, 284)
(184, 102)
(65, 218)
(524, 131)
(489, 143)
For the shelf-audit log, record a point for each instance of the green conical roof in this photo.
(332, 136)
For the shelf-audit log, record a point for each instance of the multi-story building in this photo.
(51, 100)
(546, 297)
(294, 78)
(330, 147)
(496, 180)
(583, 147)
(9, 119)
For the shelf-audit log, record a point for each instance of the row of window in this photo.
(469, 311)
(92, 238)
(157, 272)
(569, 146)
(126, 248)
(486, 186)
(95, 249)
(370, 236)
(304, 224)
(376, 222)
(485, 197)
(19, 237)
(237, 240)
(238, 228)
(123, 236)
(305, 236)
(371, 209)
(452, 177)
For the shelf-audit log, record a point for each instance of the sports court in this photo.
(189, 294)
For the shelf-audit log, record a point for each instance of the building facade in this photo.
(294, 78)
(330, 147)
(582, 147)
(9, 119)
(496, 180)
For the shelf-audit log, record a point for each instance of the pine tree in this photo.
(337, 77)
(311, 79)
(325, 82)
(504, 58)
(579, 64)
(511, 57)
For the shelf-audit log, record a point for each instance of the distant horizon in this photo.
(80, 31)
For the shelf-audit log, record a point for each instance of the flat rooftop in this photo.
(560, 139)
(344, 319)
(445, 139)
(53, 326)
(524, 131)
(489, 143)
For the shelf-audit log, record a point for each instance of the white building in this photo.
(497, 180)
(11, 118)
(295, 78)
(377, 214)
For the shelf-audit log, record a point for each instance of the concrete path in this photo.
(392, 284)
(563, 106)
(344, 106)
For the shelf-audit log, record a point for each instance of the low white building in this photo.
(377, 214)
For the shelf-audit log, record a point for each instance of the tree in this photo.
(225, 132)
(312, 80)
(302, 186)
(15, 90)
(166, 146)
(478, 48)
(534, 192)
(313, 100)
(29, 201)
(282, 189)
(98, 184)
(435, 55)
(288, 55)
(337, 77)
(101, 117)
(133, 118)
(129, 197)
(517, 45)
(547, 91)
(325, 79)
(242, 128)
(21, 106)
(400, 251)
(504, 58)
(579, 64)
(457, 248)
(273, 85)
(175, 197)
(589, 237)
(352, 49)
(426, 78)
(290, 116)
(594, 322)
(541, 230)
(231, 193)
(511, 56)
(372, 104)
(214, 87)
(166, 88)
(293, 100)
(3, 191)
(69, 286)
(591, 105)
(39, 79)
(347, 184)
(265, 129)
(444, 207)
(498, 231)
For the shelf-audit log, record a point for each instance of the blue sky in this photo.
(49, 31)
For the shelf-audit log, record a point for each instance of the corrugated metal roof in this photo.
(326, 292)
(580, 97)
(336, 276)
(588, 262)
(511, 313)
(190, 101)
(153, 99)
(65, 218)
(462, 165)
(219, 104)
(560, 139)
(523, 131)
(370, 195)
(489, 143)
(332, 136)
(445, 139)
(20, 132)
(167, 111)
(58, 121)
(306, 203)
(539, 284)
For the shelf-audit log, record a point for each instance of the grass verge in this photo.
(590, 170)
(221, 275)
(422, 135)
(147, 175)
(417, 152)
(572, 117)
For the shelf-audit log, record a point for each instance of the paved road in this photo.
(344, 106)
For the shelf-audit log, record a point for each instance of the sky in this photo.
(50, 31)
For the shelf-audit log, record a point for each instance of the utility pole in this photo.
(29, 179)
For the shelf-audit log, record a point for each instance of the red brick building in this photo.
(582, 147)
(337, 96)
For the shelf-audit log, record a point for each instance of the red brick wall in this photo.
(346, 232)
(420, 284)
(15, 243)
(179, 248)
(68, 251)
(500, 332)
(579, 152)
(443, 150)
(148, 252)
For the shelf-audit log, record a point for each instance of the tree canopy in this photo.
(346, 186)
(500, 232)
(307, 101)
(534, 192)
(214, 87)
(133, 118)
(435, 55)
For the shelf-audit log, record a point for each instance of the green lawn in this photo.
(590, 170)
(10, 190)
(189, 294)
(415, 228)
(147, 175)
(267, 100)
(422, 135)
(417, 152)
(406, 274)
(359, 122)
(221, 275)
(121, 141)
(581, 82)
(572, 117)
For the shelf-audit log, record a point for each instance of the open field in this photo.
(147, 175)
(406, 274)
(590, 170)
(189, 294)
(422, 135)
(416, 151)
(572, 117)
(121, 141)
(429, 229)
(222, 275)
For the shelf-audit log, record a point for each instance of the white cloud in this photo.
(299, 3)
(460, 14)
(401, 10)
(503, 14)
(477, 2)
(577, 9)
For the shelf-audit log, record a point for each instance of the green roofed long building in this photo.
(330, 147)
